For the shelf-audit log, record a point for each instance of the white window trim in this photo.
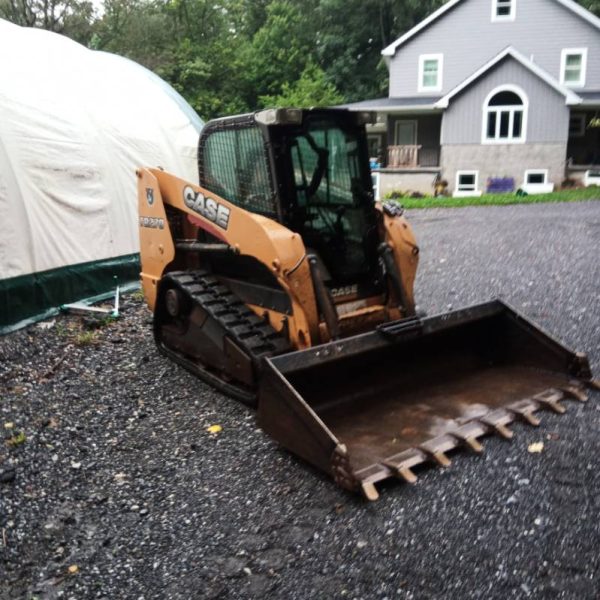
(529, 172)
(563, 63)
(582, 127)
(591, 177)
(503, 19)
(375, 179)
(486, 110)
(466, 193)
(537, 188)
(440, 72)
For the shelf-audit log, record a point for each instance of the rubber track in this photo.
(245, 328)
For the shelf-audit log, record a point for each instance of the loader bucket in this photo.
(376, 405)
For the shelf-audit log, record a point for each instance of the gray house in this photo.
(491, 95)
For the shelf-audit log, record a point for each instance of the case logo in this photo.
(207, 207)
(347, 290)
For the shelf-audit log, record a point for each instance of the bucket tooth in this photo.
(407, 474)
(500, 428)
(438, 456)
(575, 392)
(594, 384)
(435, 449)
(550, 399)
(525, 411)
(369, 491)
(441, 459)
(474, 444)
(528, 416)
(470, 441)
(402, 471)
(555, 405)
(504, 431)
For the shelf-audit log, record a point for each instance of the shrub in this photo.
(394, 195)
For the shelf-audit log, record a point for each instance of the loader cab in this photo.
(309, 170)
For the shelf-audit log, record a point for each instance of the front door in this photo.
(406, 132)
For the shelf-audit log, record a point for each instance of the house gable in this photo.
(390, 50)
(467, 38)
(464, 117)
(571, 98)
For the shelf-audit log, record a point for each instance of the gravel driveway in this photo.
(116, 490)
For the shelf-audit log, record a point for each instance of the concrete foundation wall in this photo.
(503, 161)
(406, 180)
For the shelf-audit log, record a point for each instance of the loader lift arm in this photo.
(276, 247)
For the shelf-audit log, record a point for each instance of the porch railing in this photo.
(413, 156)
(403, 156)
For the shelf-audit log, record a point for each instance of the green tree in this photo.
(592, 5)
(312, 89)
(210, 77)
(137, 29)
(247, 16)
(73, 18)
(192, 44)
(352, 34)
(207, 61)
(280, 49)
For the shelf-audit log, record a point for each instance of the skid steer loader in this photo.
(279, 281)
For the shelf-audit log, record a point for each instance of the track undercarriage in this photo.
(203, 326)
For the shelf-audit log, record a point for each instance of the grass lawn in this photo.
(592, 193)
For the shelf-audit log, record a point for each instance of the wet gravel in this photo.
(111, 486)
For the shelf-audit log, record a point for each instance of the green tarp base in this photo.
(28, 298)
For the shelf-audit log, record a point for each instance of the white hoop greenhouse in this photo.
(74, 126)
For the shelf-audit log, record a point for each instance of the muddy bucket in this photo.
(376, 405)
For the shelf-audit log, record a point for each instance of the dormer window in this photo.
(573, 63)
(430, 72)
(504, 10)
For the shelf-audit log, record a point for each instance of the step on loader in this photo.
(281, 282)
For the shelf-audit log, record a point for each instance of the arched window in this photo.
(505, 116)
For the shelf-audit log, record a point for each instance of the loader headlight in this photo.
(279, 116)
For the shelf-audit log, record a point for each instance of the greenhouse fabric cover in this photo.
(74, 126)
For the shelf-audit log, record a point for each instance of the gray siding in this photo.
(547, 119)
(468, 39)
